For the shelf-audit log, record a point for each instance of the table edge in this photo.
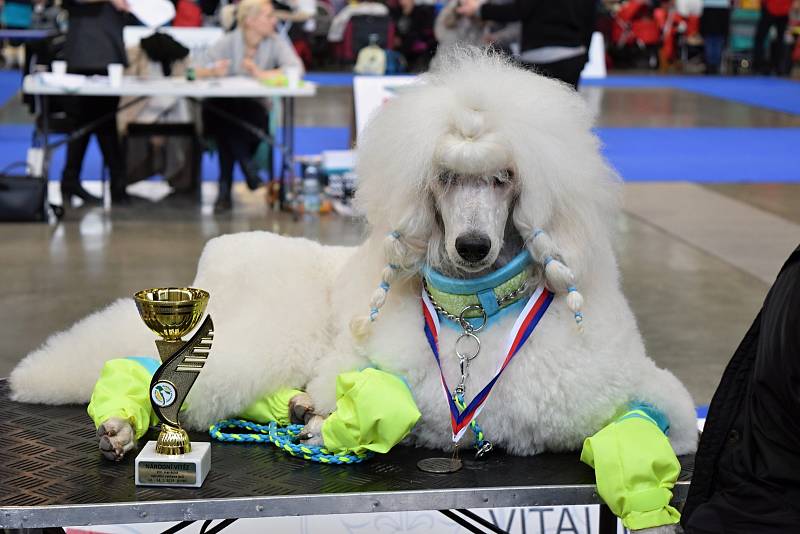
(310, 89)
(21, 517)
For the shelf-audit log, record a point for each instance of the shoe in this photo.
(251, 176)
(76, 190)
(120, 198)
(223, 205)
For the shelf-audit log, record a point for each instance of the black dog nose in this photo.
(473, 247)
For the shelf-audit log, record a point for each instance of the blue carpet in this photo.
(10, 83)
(335, 79)
(771, 93)
(15, 139)
(309, 140)
(704, 155)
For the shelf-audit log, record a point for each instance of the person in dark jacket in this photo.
(747, 469)
(94, 40)
(555, 34)
(773, 13)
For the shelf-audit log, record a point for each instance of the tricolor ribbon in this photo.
(523, 327)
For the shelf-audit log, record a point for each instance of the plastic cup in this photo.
(59, 68)
(292, 77)
(115, 74)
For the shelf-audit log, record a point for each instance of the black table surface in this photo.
(52, 474)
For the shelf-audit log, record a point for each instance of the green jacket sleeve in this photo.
(374, 411)
(123, 390)
(635, 468)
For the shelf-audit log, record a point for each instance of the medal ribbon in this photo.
(526, 322)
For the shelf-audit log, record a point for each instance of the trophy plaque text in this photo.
(173, 460)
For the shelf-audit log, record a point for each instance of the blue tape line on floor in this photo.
(771, 93)
(704, 155)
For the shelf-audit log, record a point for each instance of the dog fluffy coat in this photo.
(283, 307)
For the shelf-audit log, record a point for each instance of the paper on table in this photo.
(68, 82)
(152, 13)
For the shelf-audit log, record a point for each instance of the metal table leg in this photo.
(287, 159)
(45, 137)
(472, 522)
(608, 521)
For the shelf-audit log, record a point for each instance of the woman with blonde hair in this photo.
(253, 49)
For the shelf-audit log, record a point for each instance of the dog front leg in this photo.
(301, 411)
(117, 437)
(374, 411)
(312, 432)
(636, 469)
(120, 405)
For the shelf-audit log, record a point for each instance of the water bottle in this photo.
(311, 194)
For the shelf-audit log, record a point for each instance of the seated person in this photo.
(252, 49)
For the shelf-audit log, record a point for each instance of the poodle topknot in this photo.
(473, 114)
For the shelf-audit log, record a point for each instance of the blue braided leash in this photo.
(282, 437)
(481, 444)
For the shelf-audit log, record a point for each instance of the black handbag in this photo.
(23, 198)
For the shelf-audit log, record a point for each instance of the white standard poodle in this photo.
(462, 173)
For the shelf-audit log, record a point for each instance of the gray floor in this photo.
(693, 288)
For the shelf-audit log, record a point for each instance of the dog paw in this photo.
(312, 432)
(116, 438)
(301, 408)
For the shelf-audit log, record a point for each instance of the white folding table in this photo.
(44, 86)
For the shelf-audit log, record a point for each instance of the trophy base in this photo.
(180, 470)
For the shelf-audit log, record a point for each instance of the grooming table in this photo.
(52, 474)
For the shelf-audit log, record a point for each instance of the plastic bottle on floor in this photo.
(311, 192)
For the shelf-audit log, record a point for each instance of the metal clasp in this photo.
(468, 355)
(485, 449)
(466, 325)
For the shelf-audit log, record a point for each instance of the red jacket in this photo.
(778, 8)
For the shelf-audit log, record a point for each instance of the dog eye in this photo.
(447, 177)
(503, 178)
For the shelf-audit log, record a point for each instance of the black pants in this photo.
(767, 21)
(567, 70)
(235, 144)
(83, 110)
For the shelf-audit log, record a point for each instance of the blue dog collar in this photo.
(454, 295)
(474, 286)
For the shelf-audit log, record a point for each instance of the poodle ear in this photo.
(572, 224)
(404, 250)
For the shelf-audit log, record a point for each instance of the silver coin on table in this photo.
(439, 465)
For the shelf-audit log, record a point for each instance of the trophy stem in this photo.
(173, 441)
(166, 348)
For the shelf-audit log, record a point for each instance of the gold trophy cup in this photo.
(173, 460)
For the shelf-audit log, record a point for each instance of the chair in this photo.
(741, 38)
(357, 36)
(154, 159)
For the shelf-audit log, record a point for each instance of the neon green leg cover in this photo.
(273, 407)
(123, 391)
(636, 469)
(374, 409)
